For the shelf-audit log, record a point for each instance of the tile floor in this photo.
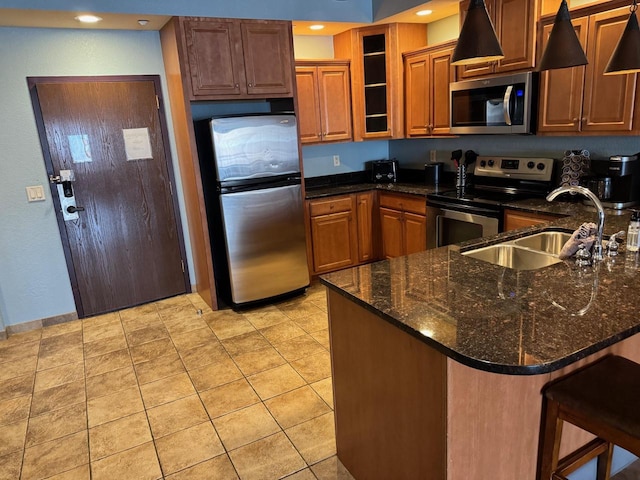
(172, 390)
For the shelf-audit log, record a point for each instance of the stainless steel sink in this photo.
(513, 256)
(548, 242)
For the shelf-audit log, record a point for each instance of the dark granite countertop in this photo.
(498, 319)
(400, 187)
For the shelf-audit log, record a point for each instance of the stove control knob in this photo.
(531, 165)
(491, 162)
(483, 163)
(540, 166)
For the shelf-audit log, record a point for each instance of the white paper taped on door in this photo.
(80, 149)
(137, 144)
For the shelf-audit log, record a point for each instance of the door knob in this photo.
(74, 209)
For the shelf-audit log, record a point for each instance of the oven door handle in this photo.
(464, 208)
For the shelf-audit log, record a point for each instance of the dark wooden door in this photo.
(125, 248)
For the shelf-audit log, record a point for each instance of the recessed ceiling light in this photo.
(88, 18)
(422, 13)
(316, 27)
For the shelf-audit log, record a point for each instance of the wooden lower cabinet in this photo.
(514, 219)
(367, 245)
(403, 224)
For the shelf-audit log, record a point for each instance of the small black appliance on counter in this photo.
(384, 171)
(616, 180)
(433, 172)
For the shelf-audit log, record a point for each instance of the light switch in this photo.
(35, 193)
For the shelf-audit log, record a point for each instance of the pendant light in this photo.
(477, 42)
(563, 48)
(626, 56)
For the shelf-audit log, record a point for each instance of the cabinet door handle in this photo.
(250, 85)
(237, 85)
(575, 120)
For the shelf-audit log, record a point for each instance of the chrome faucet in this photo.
(597, 247)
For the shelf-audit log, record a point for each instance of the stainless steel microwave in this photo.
(503, 104)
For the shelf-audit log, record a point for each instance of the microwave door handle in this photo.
(506, 104)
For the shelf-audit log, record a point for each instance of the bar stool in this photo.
(603, 399)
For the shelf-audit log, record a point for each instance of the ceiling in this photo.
(115, 21)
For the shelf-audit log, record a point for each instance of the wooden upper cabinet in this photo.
(324, 101)
(582, 99)
(428, 73)
(231, 58)
(515, 25)
(377, 92)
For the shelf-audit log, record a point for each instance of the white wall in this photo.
(443, 30)
(34, 283)
(312, 46)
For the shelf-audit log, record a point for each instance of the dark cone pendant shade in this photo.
(626, 56)
(477, 42)
(563, 48)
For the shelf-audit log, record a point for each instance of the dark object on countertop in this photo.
(433, 172)
(602, 399)
(470, 157)
(456, 155)
(384, 171)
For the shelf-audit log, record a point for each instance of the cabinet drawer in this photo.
(330, 205)
(413, 203)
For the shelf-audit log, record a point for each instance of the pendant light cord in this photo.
(634, 7)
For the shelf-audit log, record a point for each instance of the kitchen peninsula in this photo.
(438, 358)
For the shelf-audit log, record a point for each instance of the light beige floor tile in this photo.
(100, 320)
(175, 416)
(14, 409)
(215, 374)
(122, 434)
(56, 456)
(203, 355)
(324, 388)
(131, 323)
(322, 337)
(244, 343)
(230, 326)
(104, 346)
(258, 360)
(282, 331)
(314, 367)
(60, 342)
(24, 337)
(299, 309)
(12, 437)
(265, 317)
(18, 368)
(218, 468)
(62, 328)
(138, 463)
(188, 447)
(245, 426)
(167, 390)
(313, 323)
(57, 424)
(149, 351)
(271, 457)
(102, 331)
(79, 473)
(229, 398)
(296, 407)
(147, 334)
(16, 386)
(193, 338)
(173, 302)
(111, 382)
(132, 314)
(111, 407)
(331, 469)
(159, 368)
(57, 397)
(276, 381)
(10, 466)
(53, 377)
(305, 474)
(107, 362)
(17, 352)
(59, 356)
(298, 347)
(314, 439)
(183, 323)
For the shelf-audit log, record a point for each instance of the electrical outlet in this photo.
(432, 156)
(336, 160)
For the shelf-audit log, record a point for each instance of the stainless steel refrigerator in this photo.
(254, 206)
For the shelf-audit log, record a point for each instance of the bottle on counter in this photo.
(633, 233)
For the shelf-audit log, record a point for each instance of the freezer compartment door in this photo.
(255, 146)
(265, 242)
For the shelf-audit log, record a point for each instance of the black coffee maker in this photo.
(616, 180)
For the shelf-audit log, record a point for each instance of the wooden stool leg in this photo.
(604, 463)
(550, 437)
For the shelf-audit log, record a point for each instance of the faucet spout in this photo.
(597, 248)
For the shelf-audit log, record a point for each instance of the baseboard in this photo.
(3, 335)
(35, 324)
